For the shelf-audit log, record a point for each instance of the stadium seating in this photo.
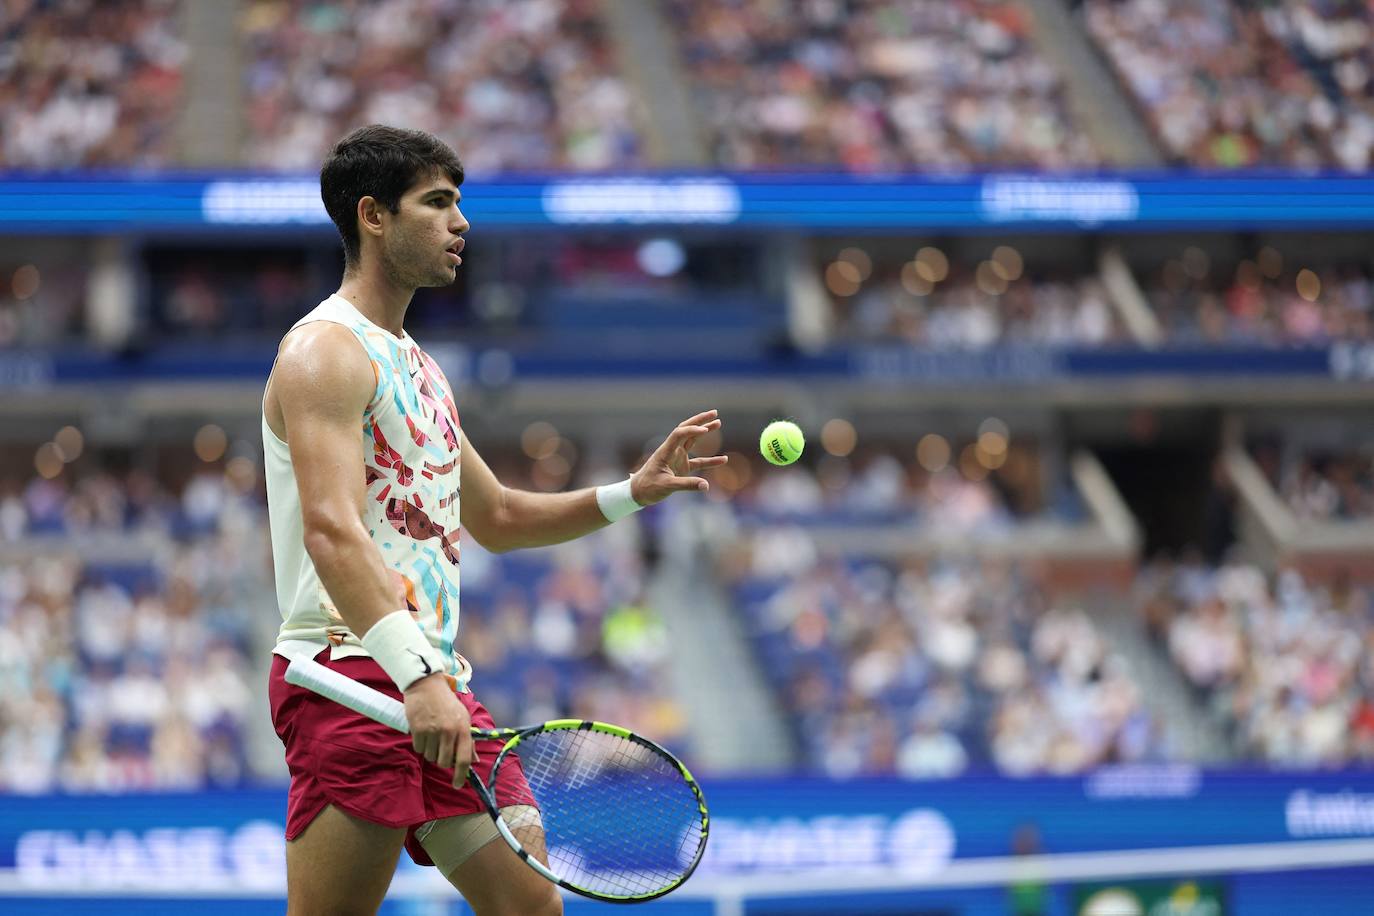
(89, 84)
(861, 85)
(1264, 300)
(1319, 483)
(1228, 84)
(1283, 662)
(568, 631)
(875, 85)
(133, 671)
(918, 664)
(142, 671)
(929, 667)
(1331, 39)
(512, 84)
(928, 298)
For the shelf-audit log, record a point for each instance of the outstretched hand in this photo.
(671, 468)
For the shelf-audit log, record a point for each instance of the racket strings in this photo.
(619, 817)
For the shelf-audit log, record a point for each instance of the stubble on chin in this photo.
(415, 274)
(446, 276)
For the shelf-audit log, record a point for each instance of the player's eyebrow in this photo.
(443, 192)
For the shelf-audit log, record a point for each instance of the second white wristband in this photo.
(397, 643)
(615, 501)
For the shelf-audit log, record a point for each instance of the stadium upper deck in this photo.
(859, 85)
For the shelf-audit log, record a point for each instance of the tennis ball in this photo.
(782, 442)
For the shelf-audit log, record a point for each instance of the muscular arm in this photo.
(502, 518)
(320, 386)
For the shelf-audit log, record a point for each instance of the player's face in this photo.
(423, 242)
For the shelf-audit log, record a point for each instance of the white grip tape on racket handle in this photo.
(310, 674)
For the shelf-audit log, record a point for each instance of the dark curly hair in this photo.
(379, 162)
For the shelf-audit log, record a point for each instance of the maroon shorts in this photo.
(339, 757)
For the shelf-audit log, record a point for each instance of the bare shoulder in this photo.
(321, 369)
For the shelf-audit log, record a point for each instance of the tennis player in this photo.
(364, 458)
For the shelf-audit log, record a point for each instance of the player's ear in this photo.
(369, 217)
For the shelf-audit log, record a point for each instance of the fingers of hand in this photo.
(714, 461)
(426, 744)
(700, 429)
(700, 418)
(688, 432)
(687, 483)
(447, 742)
(683, 437)
(464, 756)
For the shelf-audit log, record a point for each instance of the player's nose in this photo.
(460, 222)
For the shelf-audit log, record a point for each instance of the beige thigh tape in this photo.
(451, 841)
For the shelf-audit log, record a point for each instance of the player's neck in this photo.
(380, 301)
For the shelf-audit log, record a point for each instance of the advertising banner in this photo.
(97, 202)
(756, 826)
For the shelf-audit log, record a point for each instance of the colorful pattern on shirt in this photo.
(412, 466)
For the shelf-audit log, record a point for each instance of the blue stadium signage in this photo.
(757, 824)
(223, 852)
(103, 203)
(877, 365)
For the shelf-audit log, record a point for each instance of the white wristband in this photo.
(615, 501)
(397, 643)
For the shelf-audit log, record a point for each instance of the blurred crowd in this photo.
(1285, 663)
(995, 303)
(128, 671)
(136, 611)
(860, 85)
(921, 665)
(869, 85)
(89, 83)
(569, 631)
(976, 485)
(43, 299)
(1264, 302)
(136, 615)
(933, 666)
(1230, 85)
(1214, 85)
(1320, 483)
(929, 667)
(510, 84)
(198, 295)
(1332, 38)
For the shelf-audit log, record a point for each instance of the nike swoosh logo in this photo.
(423, 661)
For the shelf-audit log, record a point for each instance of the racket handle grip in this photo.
(310, 674)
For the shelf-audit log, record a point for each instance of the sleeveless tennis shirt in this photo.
(411, 442)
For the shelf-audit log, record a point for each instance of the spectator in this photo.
(930, 752)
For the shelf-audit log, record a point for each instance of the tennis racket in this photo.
(622, 819)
